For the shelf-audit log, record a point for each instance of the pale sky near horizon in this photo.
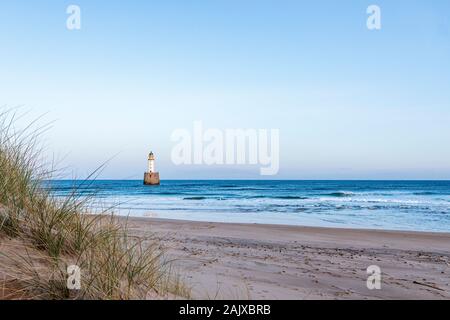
(350, 103)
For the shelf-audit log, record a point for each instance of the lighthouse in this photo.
(151, 177)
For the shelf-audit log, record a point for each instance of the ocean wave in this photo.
(278, 197)
(425, 193)
(290, 197)
(373, 200)
(340, 194)
(165, 193)
(249, 189)
(195, 198)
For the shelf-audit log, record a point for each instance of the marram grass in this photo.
(41, 235)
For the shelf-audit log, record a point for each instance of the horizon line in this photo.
(443, 180)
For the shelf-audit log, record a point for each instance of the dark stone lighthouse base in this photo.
(151, 179)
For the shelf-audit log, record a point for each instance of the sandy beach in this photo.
(249, 261)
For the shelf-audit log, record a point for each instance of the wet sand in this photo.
(250, 261)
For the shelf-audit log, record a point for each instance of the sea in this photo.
(386, 205)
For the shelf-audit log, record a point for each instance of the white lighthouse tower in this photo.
(151, 177)
(151, 162)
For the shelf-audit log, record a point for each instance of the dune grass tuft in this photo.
(41, 235)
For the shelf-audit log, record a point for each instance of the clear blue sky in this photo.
(349, 102)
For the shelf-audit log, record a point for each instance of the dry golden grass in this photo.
(41, 235)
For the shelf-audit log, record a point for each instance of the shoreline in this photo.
(258, 261)
(288, 226)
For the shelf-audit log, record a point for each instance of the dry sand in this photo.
(249, 261)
